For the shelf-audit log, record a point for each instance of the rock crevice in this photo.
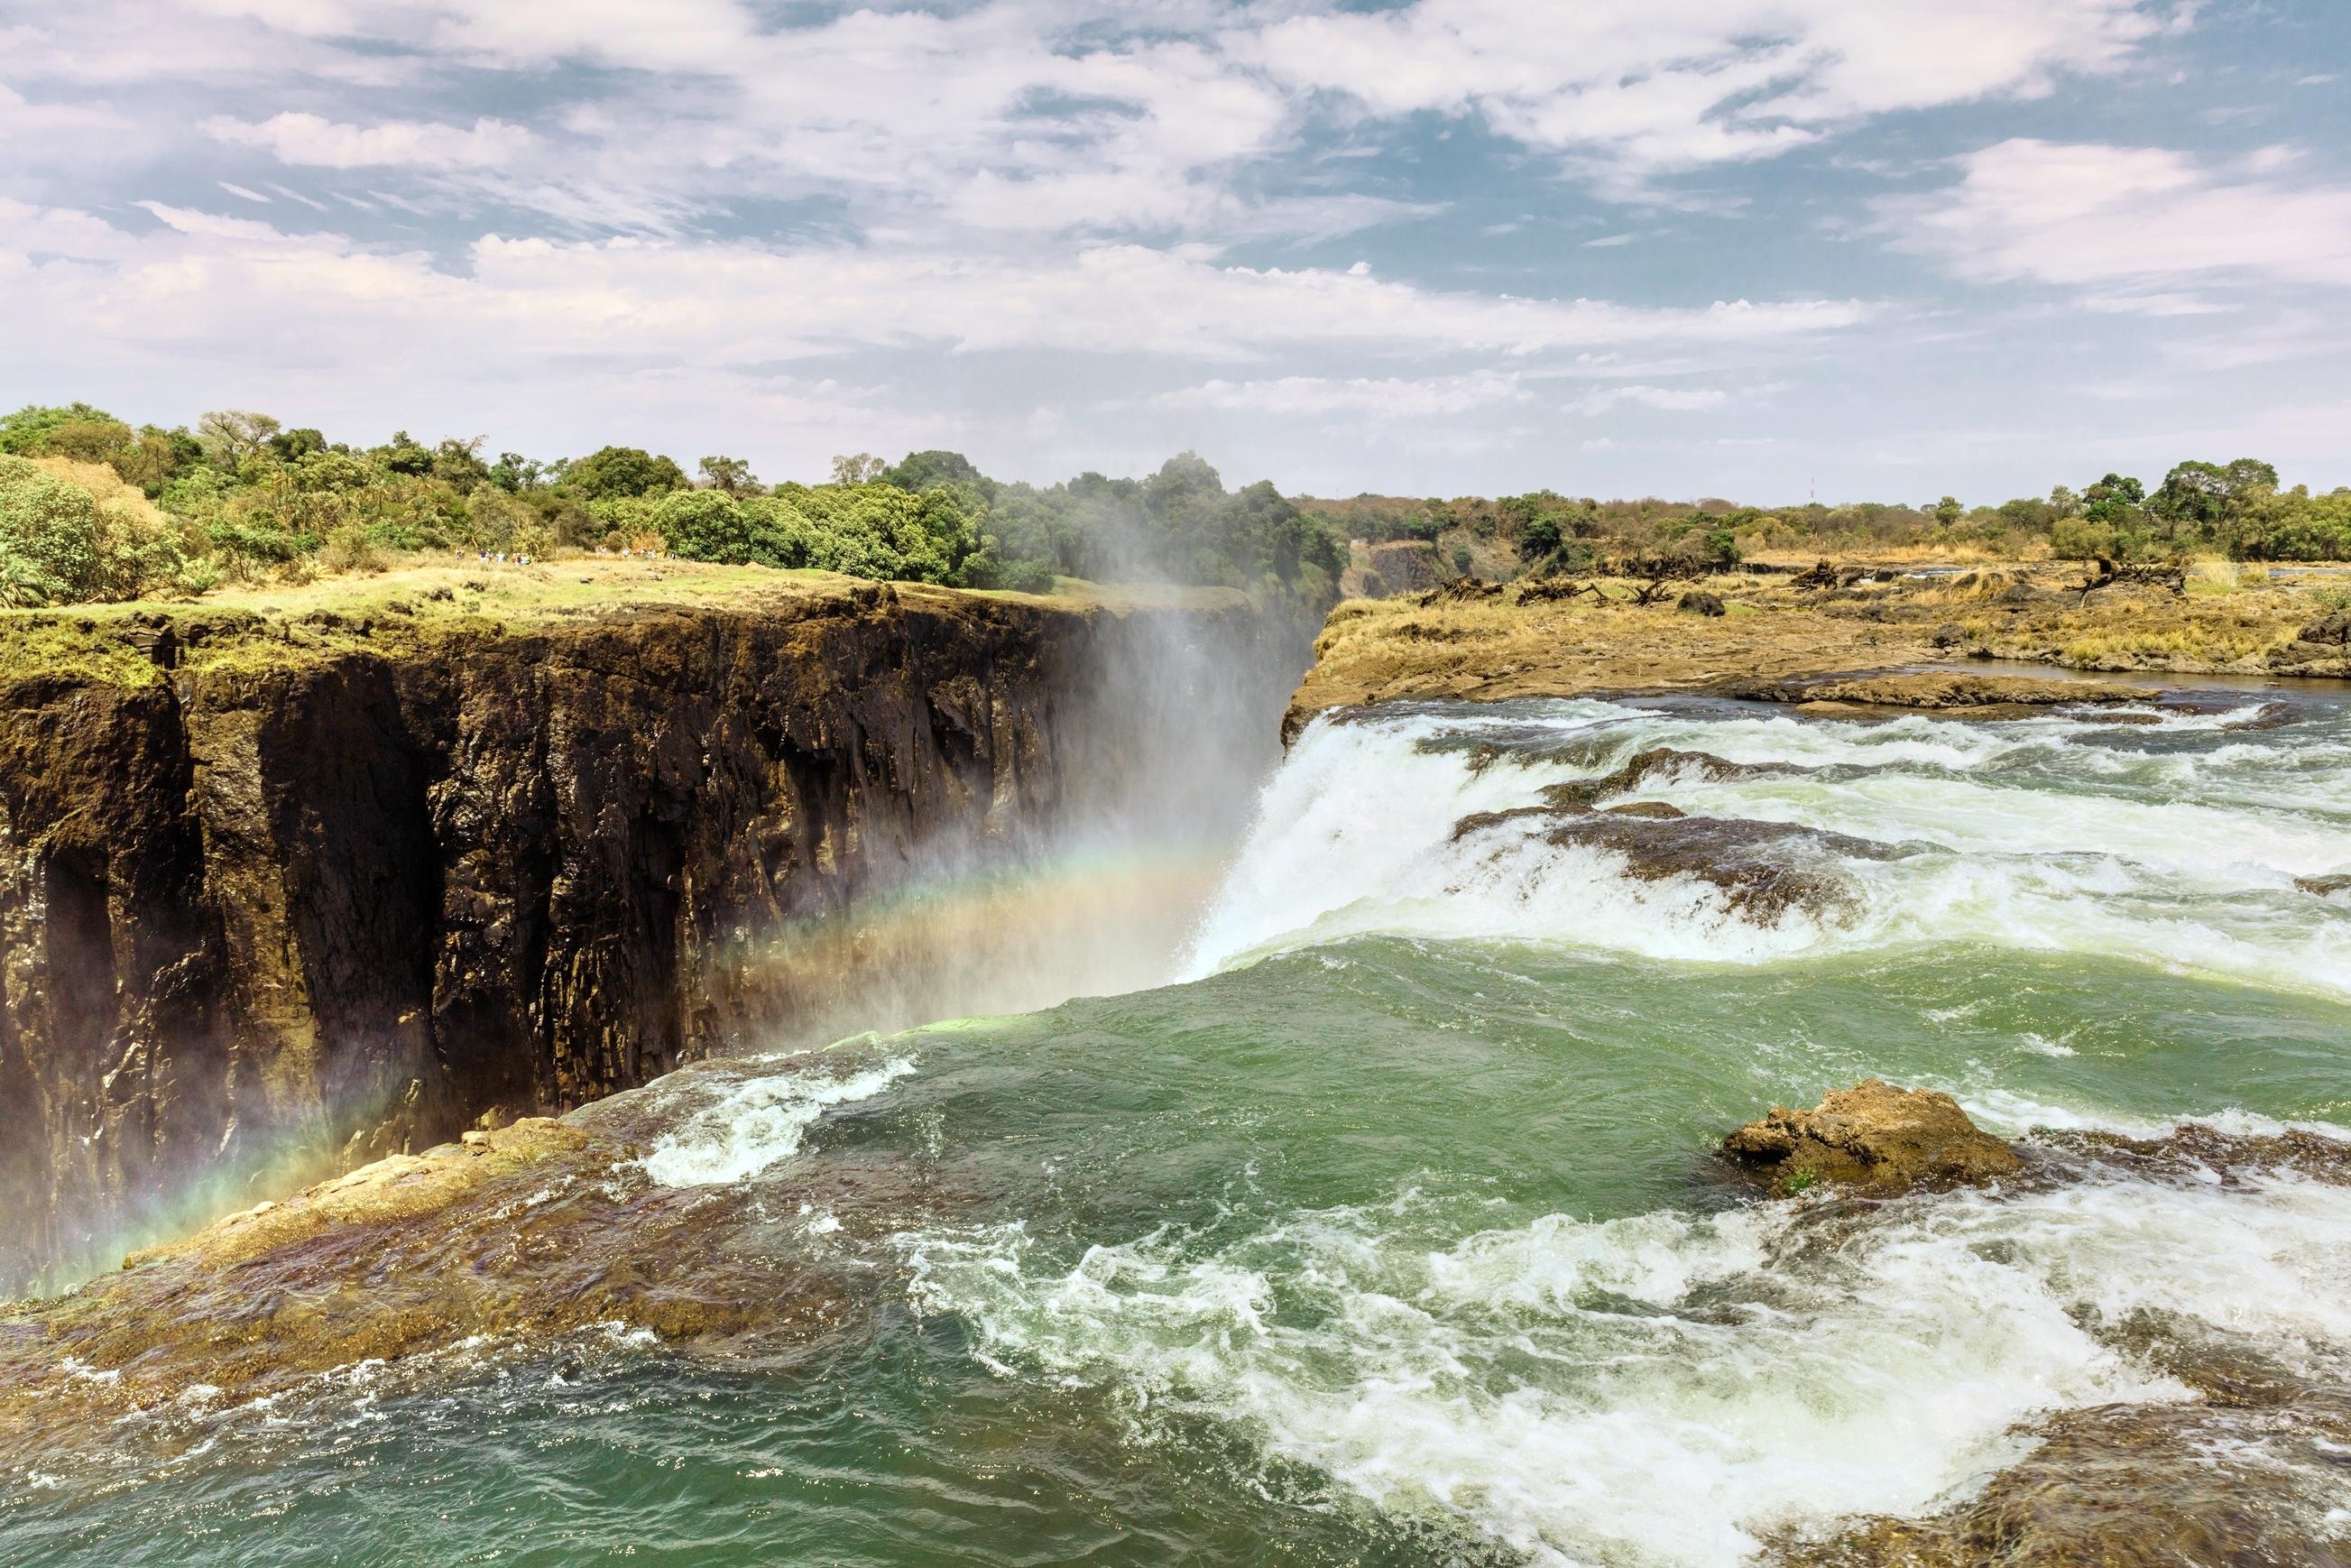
(260, 921)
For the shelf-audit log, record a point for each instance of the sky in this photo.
(1759, 249)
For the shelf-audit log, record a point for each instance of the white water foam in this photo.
(2026, 835)
(1664, 1389)
(757, 1123)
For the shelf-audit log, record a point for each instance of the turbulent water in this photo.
(1390, 1233)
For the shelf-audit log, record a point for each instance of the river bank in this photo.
(1484, 642)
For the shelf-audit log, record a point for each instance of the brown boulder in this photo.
(1872, 1135)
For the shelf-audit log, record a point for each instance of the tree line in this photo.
(92, 507)
(2236, 509)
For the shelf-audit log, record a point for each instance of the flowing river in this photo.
(1391, 1231)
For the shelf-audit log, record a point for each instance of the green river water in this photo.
(1393, 1234)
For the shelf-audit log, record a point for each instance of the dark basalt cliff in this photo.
(259, 921)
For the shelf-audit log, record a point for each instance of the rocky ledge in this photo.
(1777, 634)
(1873, 1138)
(283, 892)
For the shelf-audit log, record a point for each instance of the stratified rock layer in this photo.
(272, 915)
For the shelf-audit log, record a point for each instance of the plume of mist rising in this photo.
(1164, 730)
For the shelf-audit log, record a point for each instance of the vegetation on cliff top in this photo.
(2235, 510)
(92, 509)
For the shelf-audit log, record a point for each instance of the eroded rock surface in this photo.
(306, 906)
(1874, 1137)
(513, 1237)
(1763, 870)
(1643, 768)
(1938, 689)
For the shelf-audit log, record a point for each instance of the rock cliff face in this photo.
(263, 919)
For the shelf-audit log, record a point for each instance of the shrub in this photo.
(48, 537)
(74, 531)
(348, 549)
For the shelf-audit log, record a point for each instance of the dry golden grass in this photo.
(421, 598)
(1379, 650)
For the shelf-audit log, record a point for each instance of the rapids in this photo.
(1388, 1231)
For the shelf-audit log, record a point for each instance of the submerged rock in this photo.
(1874, 1136)
(1762, 869)
(1643, 768)
(503, 1242)
(1936, 689)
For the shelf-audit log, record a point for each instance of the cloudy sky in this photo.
(1741, 247)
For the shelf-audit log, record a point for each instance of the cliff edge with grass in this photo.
(294, 880)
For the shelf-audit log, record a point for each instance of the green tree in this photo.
(48, 537)
(2203, 501)
(921, 470)
(613, 472)
(158, 456)
(711, 525)
(458, 464)
(1948, 511)
(288, 445)
(231, 436)
(27, 433)
(731, 474)
(403, 454)
(515, 474)
(860, 468)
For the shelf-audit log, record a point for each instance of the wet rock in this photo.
(1645, 767)
(1873, 1136)
(1764, 870)
(2148, 1486)
(517, 1238)
(2334, 886)
(2196, 1151)
(1698, 602)
(1936, 689)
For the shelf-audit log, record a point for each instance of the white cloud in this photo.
(1064, 116)
(1380, 397)
(744, 302)
(2125, 221)
(305, 139)
(1656, 87)
(1666, 400)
